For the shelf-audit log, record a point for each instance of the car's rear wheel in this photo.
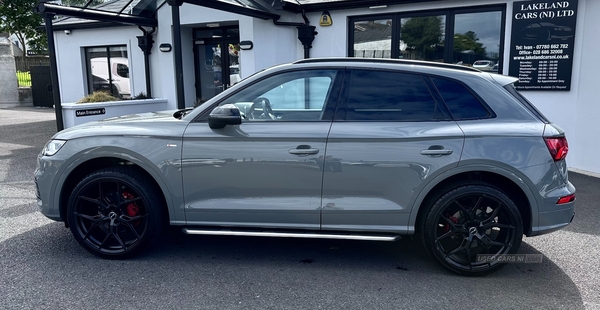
(115, 213)
(472, 228)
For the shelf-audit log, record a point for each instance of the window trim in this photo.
(450, 14)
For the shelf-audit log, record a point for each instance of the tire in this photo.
(114, 213)
(470, 220)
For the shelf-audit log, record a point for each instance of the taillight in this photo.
(558, 147)
(566, 199)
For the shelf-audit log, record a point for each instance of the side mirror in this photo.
(221, 116)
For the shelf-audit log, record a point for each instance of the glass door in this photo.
(217, 61)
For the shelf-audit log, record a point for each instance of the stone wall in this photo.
(25, 97)
(9, 92)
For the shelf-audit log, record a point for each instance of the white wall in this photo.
(70, 56)
(586, 142)
(272, 45)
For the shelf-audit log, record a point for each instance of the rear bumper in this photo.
(553, 221)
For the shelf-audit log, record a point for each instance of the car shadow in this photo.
(181, 269)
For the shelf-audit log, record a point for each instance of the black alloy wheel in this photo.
(114, 213)
(472, 228)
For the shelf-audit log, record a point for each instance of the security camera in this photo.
(67, 32)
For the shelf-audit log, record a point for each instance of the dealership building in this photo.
(195, 49)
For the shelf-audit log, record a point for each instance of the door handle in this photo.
(436, 150)
(304, 150)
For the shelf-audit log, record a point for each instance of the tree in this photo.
(467, 43)
(17, 18)
(422, 34)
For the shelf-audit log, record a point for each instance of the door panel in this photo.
(246, 175)
(268, 171)
(391, 135)
(373, 171)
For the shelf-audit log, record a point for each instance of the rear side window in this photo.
(390, 96)
(511, 89)
(460, 101)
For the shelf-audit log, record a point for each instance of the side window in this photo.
(108, 70)
(460, 101)
(390, 96)
(291, 96)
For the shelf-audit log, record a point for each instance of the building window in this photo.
(422, 38)
(373, 38)
(467, 36)
(108, 70)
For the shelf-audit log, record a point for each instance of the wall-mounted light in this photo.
(378, 7)
(246, 45)
(67, 32)
(164, 47)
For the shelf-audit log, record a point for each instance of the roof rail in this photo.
(387, 61)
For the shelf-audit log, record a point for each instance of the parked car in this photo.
(484, 65)
(345, 148)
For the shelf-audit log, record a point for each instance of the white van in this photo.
(119, 70)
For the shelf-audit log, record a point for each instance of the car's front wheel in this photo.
(472, 228)
(115, 213)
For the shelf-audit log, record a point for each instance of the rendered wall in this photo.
(9, 93)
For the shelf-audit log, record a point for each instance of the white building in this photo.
(467, 31)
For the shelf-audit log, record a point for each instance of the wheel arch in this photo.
(511, 184)
(76, 171)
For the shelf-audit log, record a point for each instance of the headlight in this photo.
(52, 147)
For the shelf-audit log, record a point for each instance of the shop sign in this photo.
(542, 42)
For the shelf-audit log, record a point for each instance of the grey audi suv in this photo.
(340, 148)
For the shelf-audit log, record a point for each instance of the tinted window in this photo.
(460, 101)
(389, 96)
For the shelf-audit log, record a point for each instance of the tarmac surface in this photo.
(43, 267)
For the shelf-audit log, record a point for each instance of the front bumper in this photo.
(45, 175)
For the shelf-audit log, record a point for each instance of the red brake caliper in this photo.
(453, 220)
(132, 208)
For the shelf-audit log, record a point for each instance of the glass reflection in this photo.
(373, 38)
(422, 38)
(477, 40)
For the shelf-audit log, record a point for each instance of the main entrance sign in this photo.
(542, 44)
